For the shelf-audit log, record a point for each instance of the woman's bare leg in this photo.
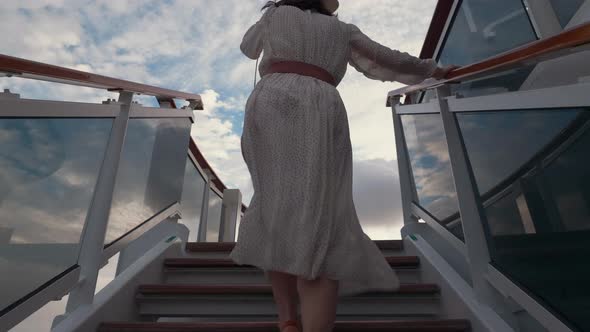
(318, 303)
(284, 289)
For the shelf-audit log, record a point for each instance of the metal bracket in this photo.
(195, 105)
(9, 74)
(110, 101)
(7, 95)
(176, 215)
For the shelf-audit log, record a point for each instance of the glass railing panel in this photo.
(497, 145)
(489, 28)
(48, 171)
(192, 199)
(151, 172)
(431, 167)
(213, 216)
(531, 168)
(566, 9)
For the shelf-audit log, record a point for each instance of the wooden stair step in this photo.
(172, 289)
(341, 326)
(229, 246)
(184, 263)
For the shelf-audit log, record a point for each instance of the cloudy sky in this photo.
(193, 45)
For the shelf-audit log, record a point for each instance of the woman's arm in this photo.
(382, 63)
(253, 41)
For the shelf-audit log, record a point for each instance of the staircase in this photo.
(205, 291)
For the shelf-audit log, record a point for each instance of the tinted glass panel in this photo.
(497, 146)
(489, 28)
(151, 172)
(431, 167)
(213, 216)
(192, 199)
(48, 171)
(532, 167)
(566, 9)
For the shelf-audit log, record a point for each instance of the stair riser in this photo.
(248, 276)
(218, 306)
(225, 254)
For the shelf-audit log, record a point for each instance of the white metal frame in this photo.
(422, 108)
(543, 18)
(54, 291)
(440, 229)
(446, 28)
(202, 235)
(81, 281)
(119, 245)
(491, 287)
(567, 96)
(511, 291)
(407, 185)
(30, 108)
(97, 218)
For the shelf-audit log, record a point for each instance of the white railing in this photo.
(486, 280)
(77, 276)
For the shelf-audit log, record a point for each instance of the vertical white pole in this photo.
(406, 178)
(202, 235)
(231, 209)
(95, 227)
(470, 207)
(543, 17)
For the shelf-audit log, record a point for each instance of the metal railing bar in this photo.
(148, 112)
(419, 212)
(46, 72)
(52, 289)
(121, 242)
(509, 289)
(569, 96)
(425, 108)
(29, 108)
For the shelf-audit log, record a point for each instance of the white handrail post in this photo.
(231, 209)
(202, 235)
(95, 227)
(406, 178)
(471, 209)
(472, 212)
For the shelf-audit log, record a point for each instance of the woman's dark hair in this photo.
(301, 4)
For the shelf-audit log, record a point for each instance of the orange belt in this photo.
(301, 68)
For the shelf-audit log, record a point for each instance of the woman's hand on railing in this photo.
(442, 72)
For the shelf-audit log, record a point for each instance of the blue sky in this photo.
(193, 45)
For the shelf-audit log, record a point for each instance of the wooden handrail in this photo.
(45, 72)
(573, 37)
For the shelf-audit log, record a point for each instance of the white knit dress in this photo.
(296, 143)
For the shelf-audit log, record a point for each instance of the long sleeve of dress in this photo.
(378, 62)
(252, 43)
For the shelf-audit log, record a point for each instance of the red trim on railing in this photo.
(46, 72)
(576, 36)
(439, 20)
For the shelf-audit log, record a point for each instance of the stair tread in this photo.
(229, 246)
(179, 289)
(454, 325)
(394, 261)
